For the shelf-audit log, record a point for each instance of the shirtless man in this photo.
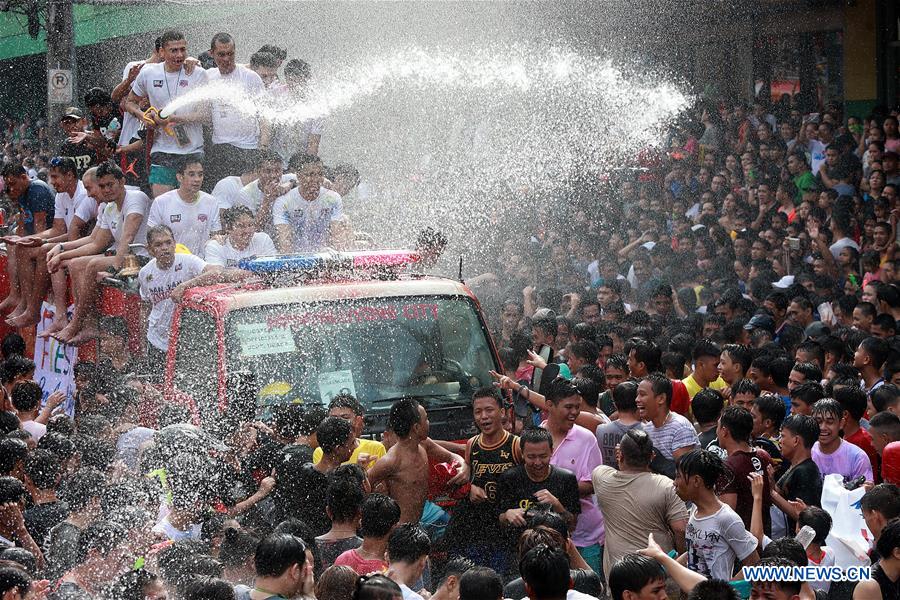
(404, 470)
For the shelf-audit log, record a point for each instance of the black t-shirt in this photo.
(41, 518)
(84, 155)
(803, 481)
(583, 580)
(301, 494)
(516, 490)
(707, 437)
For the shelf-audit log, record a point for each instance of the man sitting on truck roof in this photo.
(303, 217)
(121, 223)
(32, 249)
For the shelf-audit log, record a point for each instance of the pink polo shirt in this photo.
(580, 454)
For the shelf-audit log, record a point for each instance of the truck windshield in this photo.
(377, 350)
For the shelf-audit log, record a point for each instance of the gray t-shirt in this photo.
(608, 437)
(714, 542)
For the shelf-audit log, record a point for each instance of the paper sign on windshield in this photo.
(335, 382)
(258, 339)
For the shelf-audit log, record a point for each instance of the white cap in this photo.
(785, 282)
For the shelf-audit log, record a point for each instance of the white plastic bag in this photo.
(849, 537)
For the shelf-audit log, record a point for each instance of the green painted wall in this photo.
(95, 23)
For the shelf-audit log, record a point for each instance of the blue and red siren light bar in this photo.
(325, 262)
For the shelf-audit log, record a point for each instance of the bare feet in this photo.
(20, 310)
(64, 334)
(58, 324)
(87, 334)
(26, 319)
(11, 302)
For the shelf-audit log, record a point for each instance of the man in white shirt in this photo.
(32, 250)
(407, 553)
(235, 134)
(180, 133)
(159, 279)
(260, 195)
(242, 240)
(192, 215)
(121, 223)
(303, 216)
(302, 136)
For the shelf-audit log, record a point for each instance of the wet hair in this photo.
(545, 518)
(588, 389)
(809, 392)
(170, 36)
(535, 435)
(889, 540)
(204, 587)
(708, 465)
(791, 588)
(301, 159)
(884, 499)
(545, 571)
(16, 366)
(617, 361)
(26, 396)
(277, 553)
(404, 415)
(337, 582)
(706, 348)
(636, 448)
(376, 587)
(13, 170)
(818, 519)
(221, 38)
(82, 487)
(11, 490)
(454, 567)
(632, 573)
(787, 548)
(547, 325)
(408, 543)
(14, 578)
(480, 583)
(43, 468)
(771, 408)
(810, 371)
(707, 405)
(100, 536)
(11, 452)
(21, 556)
(9, 423)
(660, 385)
(344, 497)
(560, 389)
(297, 68)
(237, 546)
(332, 433)
(379, 514)
(672, 362)
(814, 348)
(853, 400)
(586, 350)
(713, 589)
(159, 231)
(13, 344)
(111, 168)
(488, 391)
(877, 349)
(64, 164)
(646, 352)
(738, 421)
(828, 407)
(886, 422)
(625, 396)
(346, 401)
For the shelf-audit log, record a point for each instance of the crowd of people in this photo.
(682, 366)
